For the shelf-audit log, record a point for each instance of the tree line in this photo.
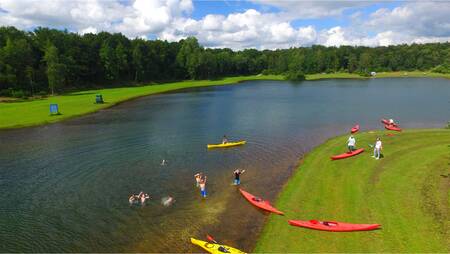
(48, 60)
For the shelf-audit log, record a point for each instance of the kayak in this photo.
(215, 248)
(392, 128)
(333, 225)
(260, 203)
(347, 154)
(229, 144)
(386, 122)
(355, 129)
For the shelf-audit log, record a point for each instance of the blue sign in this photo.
(54, 109)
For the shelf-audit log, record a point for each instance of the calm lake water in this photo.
(64, 187)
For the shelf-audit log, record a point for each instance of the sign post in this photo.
(54, 109)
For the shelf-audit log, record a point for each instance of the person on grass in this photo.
(351, 143)
(377, 149)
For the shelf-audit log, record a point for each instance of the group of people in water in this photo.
(200, 180)
(140, 198)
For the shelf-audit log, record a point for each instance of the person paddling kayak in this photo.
(224, 139)
(351, 143)
(237, 174)
(377, 149)
(203, 186)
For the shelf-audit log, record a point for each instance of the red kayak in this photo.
(355, 129)
(386, 122)
(392, 128)
(347, 154)
(333, 225)
(260, 203)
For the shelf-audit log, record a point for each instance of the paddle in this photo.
(210, 238)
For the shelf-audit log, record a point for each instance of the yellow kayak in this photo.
(215, 248)
(229, 144)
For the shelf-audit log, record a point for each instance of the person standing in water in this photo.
(351, 143)
(203, 186)
(237, 174)
(198, 178)
(224, 139)
(377, 149)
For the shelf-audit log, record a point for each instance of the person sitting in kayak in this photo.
(237, 173)
(203, 186)
(391, 122)
(224, 139)
(377, 149)
(223, 249)
(351, 142)
(198, 178)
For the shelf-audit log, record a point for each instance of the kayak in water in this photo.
(215, 247)
(333, 225)
(355, 129)
(229, 144)
(347, 154)
(260, 203)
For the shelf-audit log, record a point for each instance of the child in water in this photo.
(237, 174)
(203, 187)
(198, 178)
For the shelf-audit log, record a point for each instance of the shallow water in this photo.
(64, 187)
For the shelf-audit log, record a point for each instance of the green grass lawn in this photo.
(35, 112)
(404, 191)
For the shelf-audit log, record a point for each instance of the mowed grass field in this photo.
(407, 192)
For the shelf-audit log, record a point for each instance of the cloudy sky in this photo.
(237, 24)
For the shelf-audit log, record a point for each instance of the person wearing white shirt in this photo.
(377, 149)
(351, 143)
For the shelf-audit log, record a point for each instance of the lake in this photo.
(64, 187)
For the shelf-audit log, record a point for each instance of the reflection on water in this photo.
(65, 187)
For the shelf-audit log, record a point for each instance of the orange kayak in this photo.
(260, 203)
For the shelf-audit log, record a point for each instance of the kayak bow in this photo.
(355, 129)
(216, 248)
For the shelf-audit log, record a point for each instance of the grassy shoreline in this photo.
(405, 192)
(18, 114)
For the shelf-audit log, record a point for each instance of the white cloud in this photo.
(411, 22)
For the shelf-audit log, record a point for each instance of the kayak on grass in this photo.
(260, 203)
(355, 129)
(392, 128)
(347, 154)
(386, 122)
(215, 248)
(229, 144)
(333, 225)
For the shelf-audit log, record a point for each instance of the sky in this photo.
(239, 24)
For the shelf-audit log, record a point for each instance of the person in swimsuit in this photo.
(237, 174)
(203, 186)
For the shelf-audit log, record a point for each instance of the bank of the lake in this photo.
(407, 192)
(24, 113)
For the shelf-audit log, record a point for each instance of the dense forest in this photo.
(48, 60)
